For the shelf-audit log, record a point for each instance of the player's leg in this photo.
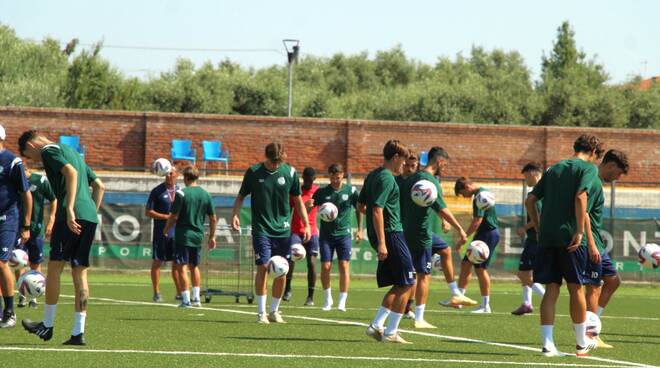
(575, 266)
(491, 238)
(343, 250)
(182, 260)
(611, 282)
(195, 275)
(81, 298)
(464, 276)
(279, 247)
(312, 250)
(546, 271)
(8, 234)
(155, 279)
(170, 253)
(326, 248)
(457, 300)
(261, 247)
(400, 266)
(524, 274)
(35, 248)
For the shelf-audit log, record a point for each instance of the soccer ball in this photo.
(485, 200)
(424, 193)
(32, 284)
(161, 167)
(436, 262)
(19, 259)
(593, 324)
(649, 255)
(298, 252)
(328, 212)
(477, 252)
(278, 266)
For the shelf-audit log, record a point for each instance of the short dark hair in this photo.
(412, 156)
(335, 168)
(619, 158)
(275, 152)
(309, 174)
(191, 173)
(394, 147)
(461, 183)
(435, 153)
(531, 167)
(588, 143)
(27, 136)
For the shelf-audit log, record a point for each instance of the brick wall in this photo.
(127, 139)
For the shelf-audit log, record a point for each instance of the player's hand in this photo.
(446, 227)
(594, 254)
(575, 243)
(212, 243)
(462, 239)
(236, 222)
(308, 234)
(71, 222)
(25, 236)
(358, 235)
(521, 231)
(382, 252)
(49, 230)
(310, 203)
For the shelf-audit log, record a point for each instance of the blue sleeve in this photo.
(152, 199)
(17, 175)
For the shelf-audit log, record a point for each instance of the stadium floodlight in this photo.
(292, 48)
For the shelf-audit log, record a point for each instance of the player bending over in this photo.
(74, 229)
(563, 189)
(191, 205)
(272, 184)
(484, 226)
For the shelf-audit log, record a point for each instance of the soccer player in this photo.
(410, 166)
(484, 226)
(272, 185)
(158, 208)
(41, 190)
(336, 235)
(297, 233)
(614, 164)
(191, 205)
(379, 199)
(74, 229)
(14, 187)
(532, 172)
(563, 189)
(417, 227)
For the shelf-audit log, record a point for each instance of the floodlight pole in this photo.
(292, 56)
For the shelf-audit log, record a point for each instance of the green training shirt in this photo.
(270, 191)
(595, 207)
(380, 190)
(417, 220)
(192, 205)
(558, 187)
(345, 199)
(489, 216)
(55, 156)
(41, 190)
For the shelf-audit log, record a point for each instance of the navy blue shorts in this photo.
(554, 264)
(311, 247)
(341, 245)
(528, 255)
(397, 269)
(421, 258)
(35, 249)
(187, 255)
(491, 238)
(8, 234)
(266, 247)
(163, 249)
(69, 247)
(607, 265)
(438, 244)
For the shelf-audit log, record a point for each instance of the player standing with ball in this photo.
(272, 184)
(74, 229)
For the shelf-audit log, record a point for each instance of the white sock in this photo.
(342, 299)
(381, 316)
(328, 296)
(462, 290)
(196, 290)
(393, 324)
(49, 314)
(485, 301)
(261, 304)
(419, 312)
(78, 323)
(275, 304)
(600, 311)
(548, 339)
(185, 296)
(453, 287)
(538, 289)
(527, 295)
(580, 333)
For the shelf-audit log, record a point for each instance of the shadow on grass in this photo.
(306, 339)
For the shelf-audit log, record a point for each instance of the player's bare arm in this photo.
(236, 213)
(71, 177)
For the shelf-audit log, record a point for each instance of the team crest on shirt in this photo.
(281, 180)
(33, 188)
(344, 197)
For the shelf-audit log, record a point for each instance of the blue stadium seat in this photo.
(212, 151)
(74, 142)
(182, 150)
(423, 158)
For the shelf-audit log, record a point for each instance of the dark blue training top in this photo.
(161, 202)
(12, 183)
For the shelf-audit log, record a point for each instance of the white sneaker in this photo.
(196, 303)
(422, 324)
(396, 338)
(262, 318)
(275, 317)
(583, 351)
(483, 310)
(375, 332)
(550, 352)
(185, 305)
(449, 304)
(409, 315)
(328, 305)
(341, 308)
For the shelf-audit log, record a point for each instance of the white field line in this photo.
(298, 356)
(455, 338)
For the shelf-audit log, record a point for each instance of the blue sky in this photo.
(622, 34)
